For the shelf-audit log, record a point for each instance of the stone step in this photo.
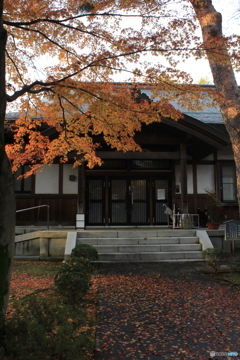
(150, 256)
(146, 248)
(136, 233)
(138, 241)
(143, 245)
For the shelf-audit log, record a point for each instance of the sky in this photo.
(231, 20)
(230, 10)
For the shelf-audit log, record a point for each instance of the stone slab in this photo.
(193, 255)
(204, 239)
(119, 257)
(118, 241)
(137, 233)
(70, 244)
(138, 248)
(162, 256)
(160, 240)
(176, 232)
(189, 240)
(107, 248)
(97, 234)
(87, 241)
(180, 247)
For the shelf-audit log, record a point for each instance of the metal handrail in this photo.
(35, 207)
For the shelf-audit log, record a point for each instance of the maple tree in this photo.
(221, 63)
(84, 45)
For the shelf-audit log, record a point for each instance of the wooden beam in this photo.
(183, 167)
(155, 138)
(202, 131)
(139, 155)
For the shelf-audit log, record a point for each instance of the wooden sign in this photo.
(232, 231)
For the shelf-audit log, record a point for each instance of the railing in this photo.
(35, 207)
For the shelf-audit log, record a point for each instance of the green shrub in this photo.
(85, 251)
(73, 279)
(47, 328)
(214, 257)
(235, 266)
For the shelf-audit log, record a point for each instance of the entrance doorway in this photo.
(127, 201)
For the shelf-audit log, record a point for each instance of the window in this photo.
(228, 186)
(23, 184)
(151, 164)
(110, 165)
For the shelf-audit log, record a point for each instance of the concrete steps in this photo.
(143, 246)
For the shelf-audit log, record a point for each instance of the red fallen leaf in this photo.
(169, 305)
(23, 284)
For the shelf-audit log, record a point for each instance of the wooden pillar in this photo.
(195, 201)
(183, 167)
(80, 216)
(60, 202)
(81, 189)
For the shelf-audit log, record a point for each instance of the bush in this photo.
(235, 266)
(85, 251)
(214, 257)
(73, 279)
(46, 328)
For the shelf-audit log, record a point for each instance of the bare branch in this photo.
(16, 67)
(49, 39)
(104, 14)
(63, 116)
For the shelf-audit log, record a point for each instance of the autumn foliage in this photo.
(62, 62)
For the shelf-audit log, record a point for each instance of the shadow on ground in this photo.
(164, 311)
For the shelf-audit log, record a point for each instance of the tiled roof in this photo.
(206, 116)
(209, 115)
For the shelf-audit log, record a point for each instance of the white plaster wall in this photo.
(225, 154)
(205, 178)
(189, 178)
(70, 187)
(47, 181)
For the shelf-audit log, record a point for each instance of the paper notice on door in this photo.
(161, 194)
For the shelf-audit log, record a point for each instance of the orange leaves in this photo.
(144, 314)
(76, 52)
(81, 117)
(22, 284)
(30, 145)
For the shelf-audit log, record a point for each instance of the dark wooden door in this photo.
(128, 201)
(95, 204)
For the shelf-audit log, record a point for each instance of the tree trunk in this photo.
(223, 75)
(7, 198)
